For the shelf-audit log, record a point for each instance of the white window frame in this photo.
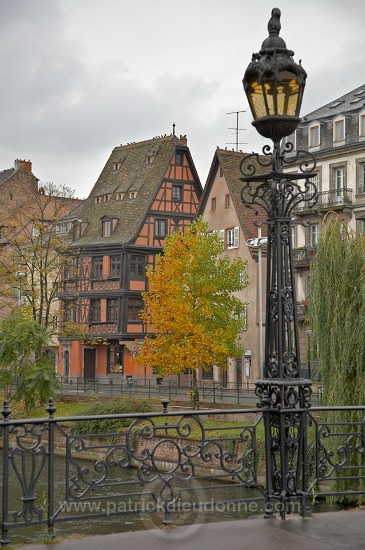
(312, 127)
(222, 235)
(360, 169)
(362, 124)
(233, 238)
(313, 234)
(339, 123)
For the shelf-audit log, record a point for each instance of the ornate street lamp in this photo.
(274, 85)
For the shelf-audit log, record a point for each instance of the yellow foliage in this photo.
(191, 304)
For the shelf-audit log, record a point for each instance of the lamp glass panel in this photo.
(287, 94)
(255, 95)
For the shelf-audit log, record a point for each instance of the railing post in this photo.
(51, 409)
(5, 493)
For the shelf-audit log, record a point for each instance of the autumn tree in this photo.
(30, 258)
(192, 307)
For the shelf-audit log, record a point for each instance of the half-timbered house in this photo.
(146, 191)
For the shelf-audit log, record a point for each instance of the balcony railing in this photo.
(303, 256)
(328, 199)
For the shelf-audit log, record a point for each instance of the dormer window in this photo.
(116, 166)
(106, 228)
(106, 197)
(150, 157)
(133, 195)
(314, 135)
(76, 230)
(98, 200)
(108, 225)
(339, 130)
(63, 228)
(362, 124)
(120, 196)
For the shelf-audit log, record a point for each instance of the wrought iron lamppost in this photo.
(274, 86)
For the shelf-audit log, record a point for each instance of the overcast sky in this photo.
(79, 77)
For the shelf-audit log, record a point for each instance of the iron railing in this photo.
(177, 463)
(326, 199)
(210, 392)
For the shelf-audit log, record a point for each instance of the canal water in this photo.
(105, 497)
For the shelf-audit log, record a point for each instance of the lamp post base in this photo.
(285, 404)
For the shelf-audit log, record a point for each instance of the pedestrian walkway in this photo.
(323, 531)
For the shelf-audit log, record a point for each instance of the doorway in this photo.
(89, 363)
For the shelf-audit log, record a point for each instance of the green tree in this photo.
(192, 307)
(337, 313)
(22, 359)
(337, 317)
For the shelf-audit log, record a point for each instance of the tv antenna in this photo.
(237, 130)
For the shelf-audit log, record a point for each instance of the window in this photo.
(95, 310)
(339, 180)
(160, 228)
(314, 136)
(293, 235)
(115, 265)
(222, 235)
(76, 230)
(120, 196)
(133, 195)
(116, 165)
(70, 268)
(35, 231)
(313, 234)
(362, 125)
(63, 228)
(112, 309)
(177, 193)
(361, 176)
(97, 267)
(228, 201)
(106, 198)
(134, 307)
(106, 228)
(213, 204)
(137, 269)
(98, 200)
(179, 159)
(69, 311)
(233, 237)
(339, 130)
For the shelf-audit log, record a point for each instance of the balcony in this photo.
(303, 256)
(327, 200)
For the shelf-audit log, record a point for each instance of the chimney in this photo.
(183, 140)
(27, 165)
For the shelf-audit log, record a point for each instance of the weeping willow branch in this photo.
(337, 319)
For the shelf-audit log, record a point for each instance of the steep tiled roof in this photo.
(230, 162)
(6, 174)
(352, 101)
(126, 170)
